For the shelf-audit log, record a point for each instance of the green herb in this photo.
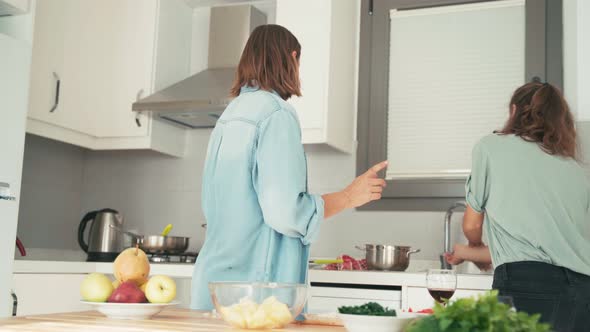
(485, 313)
(367, 309)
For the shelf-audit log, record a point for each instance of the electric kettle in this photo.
(105, 242)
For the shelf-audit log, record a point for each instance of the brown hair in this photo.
(267, 62)
(539, 113)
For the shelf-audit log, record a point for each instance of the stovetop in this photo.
(183, 258)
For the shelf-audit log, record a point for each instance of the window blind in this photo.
(452, 71)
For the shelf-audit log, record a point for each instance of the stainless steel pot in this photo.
(387, 258)
(157, 244)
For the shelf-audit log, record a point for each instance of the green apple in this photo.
(160, 289)
(96, 287)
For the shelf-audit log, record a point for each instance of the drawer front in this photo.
(331, 304)
(357, 293)
(329, 299)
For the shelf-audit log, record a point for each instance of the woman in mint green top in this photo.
(536, 205)
(532, 197)
(261, 219)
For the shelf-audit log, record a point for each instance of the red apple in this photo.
(127, 292)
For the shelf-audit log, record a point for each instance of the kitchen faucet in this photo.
(447, 242)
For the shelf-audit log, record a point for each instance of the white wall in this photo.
(61, 182)
(150, 190)
(51, 193)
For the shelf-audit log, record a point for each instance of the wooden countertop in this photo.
(174, 320)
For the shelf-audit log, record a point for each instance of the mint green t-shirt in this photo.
(536, 204)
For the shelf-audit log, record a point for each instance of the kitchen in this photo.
(149, 170)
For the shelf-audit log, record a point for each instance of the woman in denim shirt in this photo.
(261, 219)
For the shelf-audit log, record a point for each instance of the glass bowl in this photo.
(258, 306)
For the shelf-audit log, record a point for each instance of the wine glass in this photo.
(441, 284)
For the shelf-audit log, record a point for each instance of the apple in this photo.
(96, 287)
(160, 289)
(127, 292)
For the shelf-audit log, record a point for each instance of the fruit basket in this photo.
(134, 294)
(258, 306)
(129, 310)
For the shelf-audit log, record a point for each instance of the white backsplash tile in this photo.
(151, 190)
(61, 182)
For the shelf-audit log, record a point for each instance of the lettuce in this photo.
(484, 313)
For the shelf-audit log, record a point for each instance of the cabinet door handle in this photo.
(14, 303)
(57, 84)
(137, 118)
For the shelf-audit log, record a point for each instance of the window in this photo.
(435, 77)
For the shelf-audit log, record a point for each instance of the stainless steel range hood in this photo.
(199, 100)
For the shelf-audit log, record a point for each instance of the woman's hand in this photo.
(478, 255)
(483, 266)
(456, 256)
(367, 187)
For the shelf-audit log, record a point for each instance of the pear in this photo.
(132, 264)
(127, 292)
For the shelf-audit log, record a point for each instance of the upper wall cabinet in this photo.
(328, 33)
(91, 61)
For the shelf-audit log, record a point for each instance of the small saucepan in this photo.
(158, 244)
(386, 257)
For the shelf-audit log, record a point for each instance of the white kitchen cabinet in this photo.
(418, 298)
(47, 68)
(103, 62)
(48, 293)
(329, 299)
(109, 60)
(328, 33)
(183, 292)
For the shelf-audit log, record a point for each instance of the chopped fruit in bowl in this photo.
(258, 305)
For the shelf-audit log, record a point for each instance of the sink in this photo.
(470, 268)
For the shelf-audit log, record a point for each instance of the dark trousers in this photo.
(561, 296)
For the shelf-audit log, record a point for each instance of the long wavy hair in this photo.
(539, 113)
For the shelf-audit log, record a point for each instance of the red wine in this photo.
(439, 294)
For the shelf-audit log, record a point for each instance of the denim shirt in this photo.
(260, 218)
